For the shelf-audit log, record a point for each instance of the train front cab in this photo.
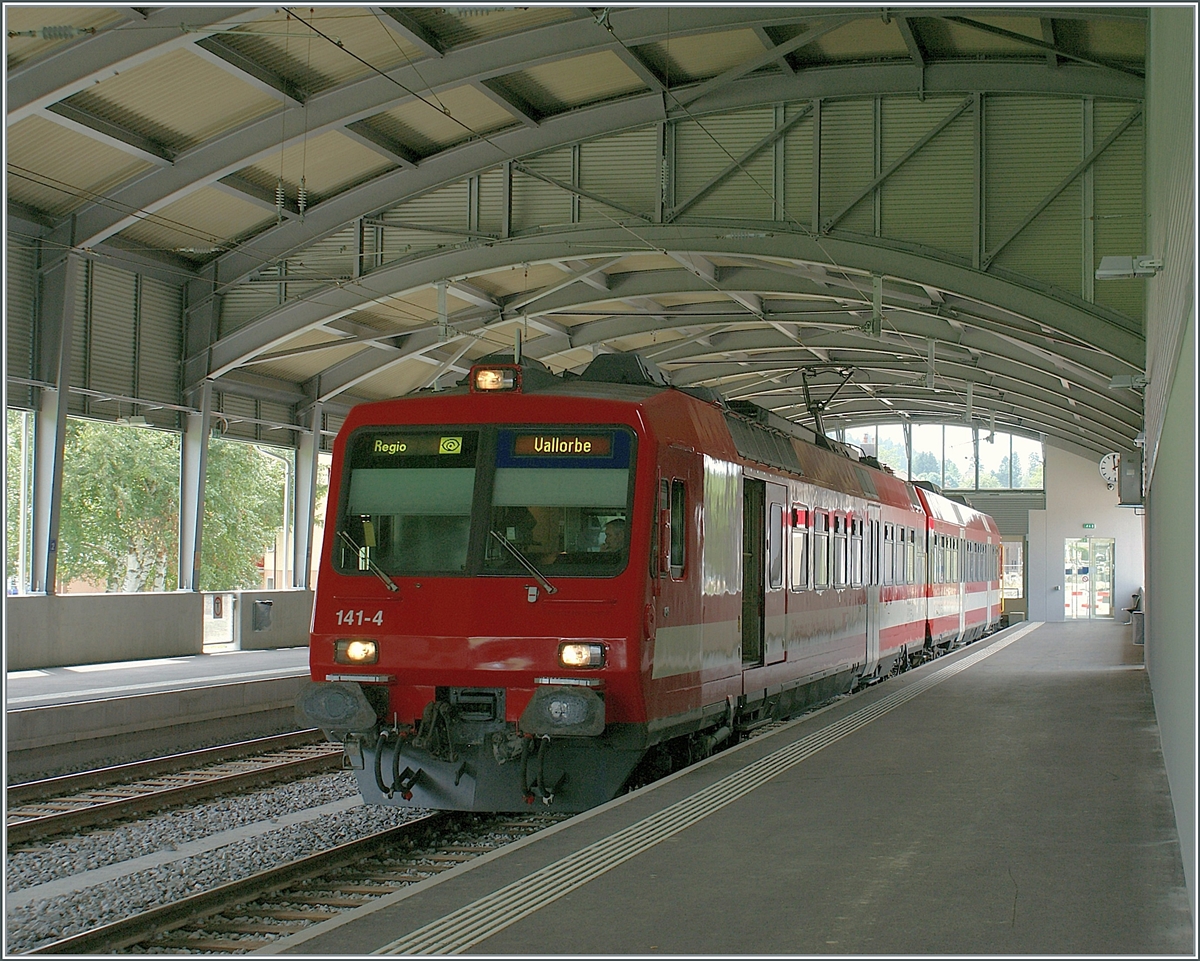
(512, 673)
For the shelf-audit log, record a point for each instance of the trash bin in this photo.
(1138, 619)
(261, 615)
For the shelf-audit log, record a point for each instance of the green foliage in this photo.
(243, 508)
(12, 490)
(120, 510)
(120, 507)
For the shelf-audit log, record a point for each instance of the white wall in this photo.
(1077, 495)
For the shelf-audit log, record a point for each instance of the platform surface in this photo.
(1009, 798)
(89, 682)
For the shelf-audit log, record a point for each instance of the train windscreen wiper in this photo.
(374, 568)
(526, 563)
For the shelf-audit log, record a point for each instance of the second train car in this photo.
(543, 588)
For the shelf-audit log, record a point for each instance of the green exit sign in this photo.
(1089, 527)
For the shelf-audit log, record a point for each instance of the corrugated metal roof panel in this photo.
(77, 403)
(624, 169)
(684, 59)
(704, 148)
(290, 49)
(491, 200)
(20, 287)
(157, 100)
(518, 279)
(240, 415)
(562, 84)
(19, 19)
(536, 203)
(159, 347)
(1032, 143)
(55, 170)
(242, 304)
(328, 162)
(931, 199)
(861, 39)
(798, 167)
(111, 341)
(198, 224)
(1119, 205)
(847, 161)
(425, 129)
(330, 258)
(458, 25)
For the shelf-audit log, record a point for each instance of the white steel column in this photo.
(59, 285)
(307, 459)
(193, 463)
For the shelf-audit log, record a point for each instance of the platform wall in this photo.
(1076, 494)
(60, 630)
(289, 621)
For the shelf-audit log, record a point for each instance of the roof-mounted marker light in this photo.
(490, 379)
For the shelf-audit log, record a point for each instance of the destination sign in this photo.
(415, 445)
(563, 445)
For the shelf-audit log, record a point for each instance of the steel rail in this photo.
(167, 764)
(206, 785)
(120, 934)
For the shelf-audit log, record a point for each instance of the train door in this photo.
(960, 577)
(753, 570)
(774, 591)
(676, 605)
(871, 584)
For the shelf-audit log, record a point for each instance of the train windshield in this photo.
(474, 501)
(408, 509)
(562, 499)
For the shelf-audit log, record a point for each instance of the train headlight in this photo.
(581, 655)
(494, 378)
(356, 651)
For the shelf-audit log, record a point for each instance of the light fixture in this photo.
(1128, 382)
(1125, 268)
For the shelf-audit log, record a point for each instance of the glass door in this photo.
(1089, 577)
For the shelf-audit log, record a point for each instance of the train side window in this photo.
(820, 549)
(856, 552)
(889, 554)
(660, 550)
(678, 527)
(799, 547)
(911, 550)
(839, 550)
(775, 546)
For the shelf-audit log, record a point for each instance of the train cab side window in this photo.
(775, 547)
(800, 547)
(678, 527)
(820, 549)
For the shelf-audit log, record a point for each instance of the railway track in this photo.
(40, 809)
(249, 914)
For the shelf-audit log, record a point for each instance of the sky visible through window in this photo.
(952, 456)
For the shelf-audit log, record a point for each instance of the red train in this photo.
(546, 587)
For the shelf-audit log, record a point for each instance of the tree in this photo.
(243, 508)
(120, 506)
(1034, 480)
(120, 509)
(926, 467)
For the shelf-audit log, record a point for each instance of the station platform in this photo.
(1009, 798)
(65, 718)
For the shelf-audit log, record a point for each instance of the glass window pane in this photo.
(863, 437)
(678, 530)
(775, 546)
(927, 453)
(1026, 463)
(891, 450)
(960, 458)
(994, 456)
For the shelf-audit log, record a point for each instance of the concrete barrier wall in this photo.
(281, 620)
(68, 629)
